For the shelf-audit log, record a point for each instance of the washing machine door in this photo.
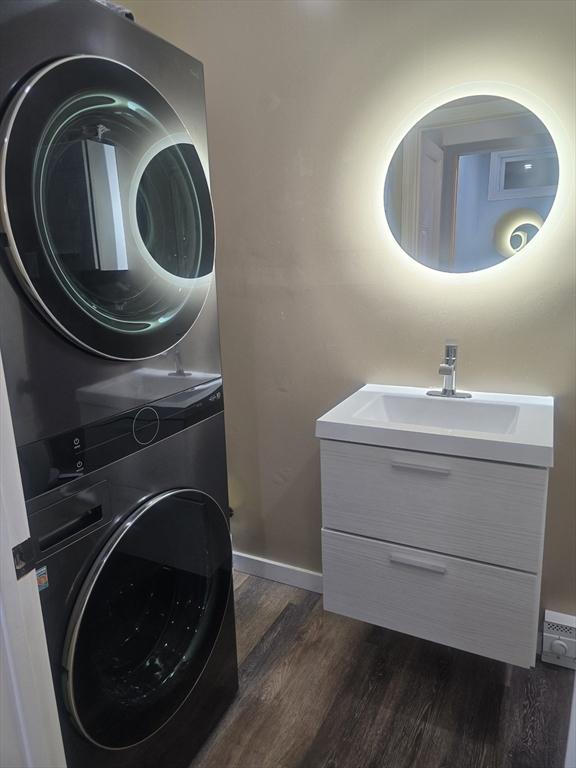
(147, 617)
(105, 208)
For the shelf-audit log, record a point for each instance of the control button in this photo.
(559, 648)
(145, 425)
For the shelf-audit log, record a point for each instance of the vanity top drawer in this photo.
(473, 509)
(479, 608)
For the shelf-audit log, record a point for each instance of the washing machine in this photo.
(107, 296)
(109, 340)
(133, 563)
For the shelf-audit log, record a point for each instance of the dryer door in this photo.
(147, 617)
(106, 208)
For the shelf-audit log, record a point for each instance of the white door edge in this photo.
(29, 727)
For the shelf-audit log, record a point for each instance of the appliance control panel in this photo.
(62, 458)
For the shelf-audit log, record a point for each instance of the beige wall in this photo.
(306, 101)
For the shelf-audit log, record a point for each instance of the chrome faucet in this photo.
(448, 370)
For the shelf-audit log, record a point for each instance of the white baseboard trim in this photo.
(282, 572)
(570, 761)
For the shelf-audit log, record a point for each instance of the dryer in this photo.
(107, 297)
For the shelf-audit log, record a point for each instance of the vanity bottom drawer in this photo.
(479, 608)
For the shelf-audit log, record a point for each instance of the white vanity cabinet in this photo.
(443, 547)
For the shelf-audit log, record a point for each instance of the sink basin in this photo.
(512, 428)
(447, 414)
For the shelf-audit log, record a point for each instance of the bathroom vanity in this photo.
(433, 514)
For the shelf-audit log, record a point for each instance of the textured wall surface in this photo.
(306, 101)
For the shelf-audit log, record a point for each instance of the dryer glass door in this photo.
(147, 618)
(106, 209)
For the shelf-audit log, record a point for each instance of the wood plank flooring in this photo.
(322, 691)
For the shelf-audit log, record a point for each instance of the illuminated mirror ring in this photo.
(137, 200)
(515, 229)
(463, 175)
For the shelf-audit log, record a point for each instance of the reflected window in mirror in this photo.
(471, 184)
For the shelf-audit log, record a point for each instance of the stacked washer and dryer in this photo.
(109, 339)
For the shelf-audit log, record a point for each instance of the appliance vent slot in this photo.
(561, 629)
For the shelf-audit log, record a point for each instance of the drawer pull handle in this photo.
(420, 468)
(416, 563)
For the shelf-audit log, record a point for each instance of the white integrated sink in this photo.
(471, 415)
(498, 427)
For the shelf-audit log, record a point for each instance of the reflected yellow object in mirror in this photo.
(509, 237)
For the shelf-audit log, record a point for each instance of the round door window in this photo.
(106, 208)
(147, 618)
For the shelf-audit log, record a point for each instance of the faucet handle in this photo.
(446, 370)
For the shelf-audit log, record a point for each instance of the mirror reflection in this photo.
(125, 245)
(471, 184)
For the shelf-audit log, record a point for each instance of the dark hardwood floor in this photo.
(321, 691)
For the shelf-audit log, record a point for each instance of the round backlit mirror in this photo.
(471, 184)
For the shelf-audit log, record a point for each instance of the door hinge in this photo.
(24, 560)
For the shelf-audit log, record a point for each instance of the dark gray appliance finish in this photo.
(55, 384)
(109, 340)
(134, 568)
(63, 458)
